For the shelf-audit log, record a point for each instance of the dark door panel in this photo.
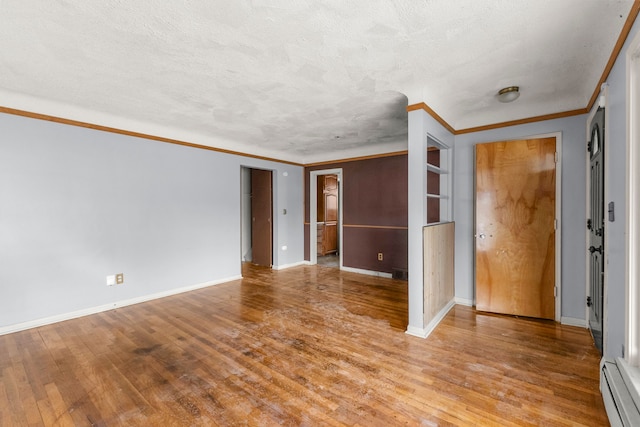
(595, 224)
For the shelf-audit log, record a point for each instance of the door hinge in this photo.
(556, 157)
(555, 224)
(555, 291)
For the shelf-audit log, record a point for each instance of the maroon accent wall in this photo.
(363, 245)
(375, 194)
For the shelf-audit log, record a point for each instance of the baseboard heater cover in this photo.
(618, 401)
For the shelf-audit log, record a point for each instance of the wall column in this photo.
(418, 120)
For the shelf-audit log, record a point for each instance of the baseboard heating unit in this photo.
(616, 389)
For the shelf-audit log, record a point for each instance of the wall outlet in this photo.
(380, 257)
(119, 278)
(111, 280)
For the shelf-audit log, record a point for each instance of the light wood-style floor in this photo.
(305, 346)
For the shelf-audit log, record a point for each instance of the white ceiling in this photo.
(301, 81)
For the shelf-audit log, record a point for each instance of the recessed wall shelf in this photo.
(438, 181)
(436, 169)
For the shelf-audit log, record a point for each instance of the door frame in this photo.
(274, 218)
(558, 236)
(632, 224)
(602, 102)
(313, 212)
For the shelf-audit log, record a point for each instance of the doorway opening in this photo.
(257, 216)
(325, 205)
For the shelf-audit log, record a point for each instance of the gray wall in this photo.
(573, 206)
(615, 182)
(245, 212)
(77, 205)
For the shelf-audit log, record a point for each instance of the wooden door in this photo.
(261, 213)
(595, 225)
(330, 238)
(515, 201)
(327, 214)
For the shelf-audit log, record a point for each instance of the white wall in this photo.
(77, 205)
(573, 206)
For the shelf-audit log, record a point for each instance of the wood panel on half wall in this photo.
(515, 202)
(439, 272)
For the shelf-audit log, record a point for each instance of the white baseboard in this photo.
(285, 266)
(619, 392)
(93, 310)
(426, 331)
(464, 301)
(416, 332)
(571, 321)
(436, 320)
(367, 272)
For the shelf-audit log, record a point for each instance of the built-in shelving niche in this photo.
(438, 167)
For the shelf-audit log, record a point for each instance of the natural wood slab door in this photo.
(261, 215)
(515, 202)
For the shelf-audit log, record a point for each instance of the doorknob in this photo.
(481, 236)
(593, 249)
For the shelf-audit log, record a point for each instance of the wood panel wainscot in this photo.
(438, 271)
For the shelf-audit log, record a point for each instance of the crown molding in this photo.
(93, 126)
(624, 33)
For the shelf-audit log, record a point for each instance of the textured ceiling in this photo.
(301, 80)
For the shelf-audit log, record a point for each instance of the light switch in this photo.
(612, 212)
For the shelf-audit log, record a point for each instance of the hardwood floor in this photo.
(305, 346)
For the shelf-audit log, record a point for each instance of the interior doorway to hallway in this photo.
(257, 216)
(325, 231)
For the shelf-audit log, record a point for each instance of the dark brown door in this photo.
(261, 217)
(515, 227)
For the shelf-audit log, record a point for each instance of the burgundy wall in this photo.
(375, 195)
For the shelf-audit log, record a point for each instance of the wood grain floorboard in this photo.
(307, 346)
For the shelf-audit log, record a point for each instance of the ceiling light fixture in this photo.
(508, 94)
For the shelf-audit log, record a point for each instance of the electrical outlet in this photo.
(111, 280)
(380, 257)
(119, 278)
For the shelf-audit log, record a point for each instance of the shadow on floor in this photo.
(331, 260)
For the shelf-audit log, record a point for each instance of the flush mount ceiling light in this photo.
(508, 94)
